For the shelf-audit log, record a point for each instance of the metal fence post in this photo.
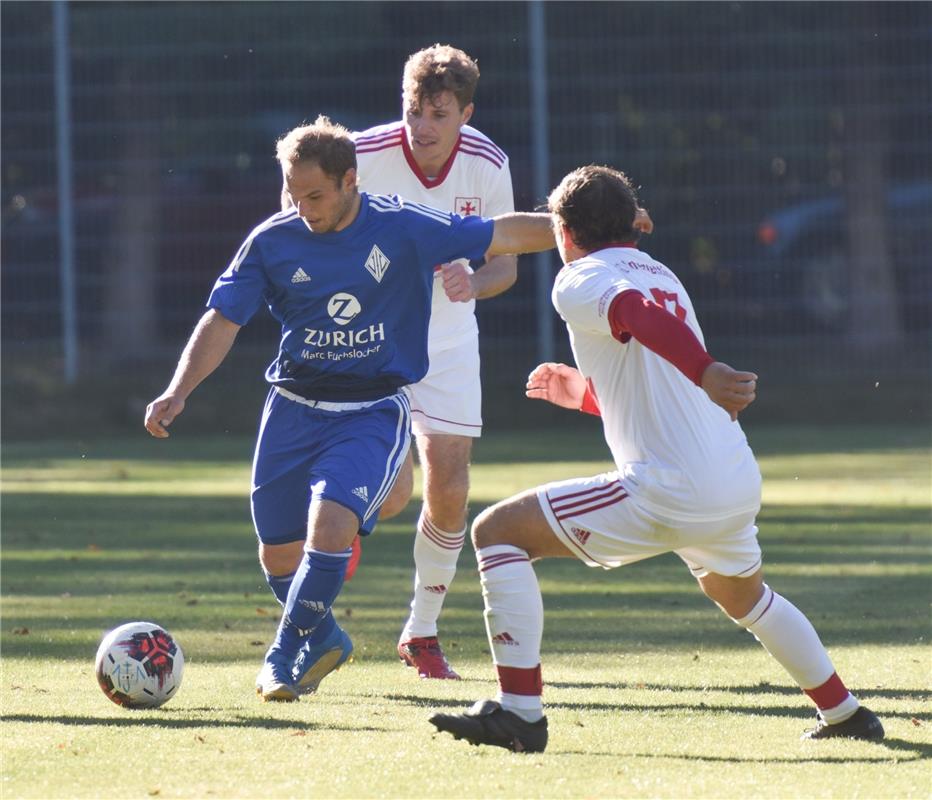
(69, 325)
(540, 144)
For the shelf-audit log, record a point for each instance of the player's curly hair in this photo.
(437, 69)
(325, 143)
(598, 206)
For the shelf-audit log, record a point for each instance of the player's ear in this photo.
(349, 180)
(566, 237)
(466, 114)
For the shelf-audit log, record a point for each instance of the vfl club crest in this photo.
(377, 263)
(468, 206)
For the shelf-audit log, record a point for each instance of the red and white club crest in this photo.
(468, 206)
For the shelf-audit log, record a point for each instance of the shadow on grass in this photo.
(918, 752)
(916, 695)
(805, 713)
(162, 721)
(850, 569)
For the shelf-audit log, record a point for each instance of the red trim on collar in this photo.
(429, 183)
(621, 244)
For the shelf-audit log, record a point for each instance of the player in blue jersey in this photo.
(349, 277)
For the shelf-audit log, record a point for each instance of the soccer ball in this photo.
(139, 665)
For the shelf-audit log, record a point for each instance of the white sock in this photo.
(529, 707)
(514, 621)
(789, 637)
(435, 556)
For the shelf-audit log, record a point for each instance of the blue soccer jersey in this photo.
(354, 305)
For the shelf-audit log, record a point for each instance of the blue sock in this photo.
(315, 586)
(323, 630)
(280, 584)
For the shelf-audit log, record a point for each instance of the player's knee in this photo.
(486, 529)
(735, 596)
(281, 559)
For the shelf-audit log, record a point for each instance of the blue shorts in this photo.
(350, 456)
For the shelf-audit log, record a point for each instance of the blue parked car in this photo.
(800, 280)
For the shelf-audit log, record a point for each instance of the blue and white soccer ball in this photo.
(139, 665)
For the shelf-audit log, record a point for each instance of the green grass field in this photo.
(650, 691)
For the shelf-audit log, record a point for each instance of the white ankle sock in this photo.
(435, 555)
(529, 707)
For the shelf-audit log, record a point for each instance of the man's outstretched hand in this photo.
(558, 384)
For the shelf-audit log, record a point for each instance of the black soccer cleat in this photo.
(488, 723)
(863, 724)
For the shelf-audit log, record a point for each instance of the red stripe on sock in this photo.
(517, 680)
(485, 566)
(829, 694)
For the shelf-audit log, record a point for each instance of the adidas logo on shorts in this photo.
(362, 493)
(581, 534)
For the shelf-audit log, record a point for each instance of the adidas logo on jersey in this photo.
(581, 535)
(377, 263)
(362, 493)
(504, 638)
(438, 589)
(300, 276)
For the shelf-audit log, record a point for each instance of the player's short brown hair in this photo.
(325, 143)
(437, 69)
(597, 205)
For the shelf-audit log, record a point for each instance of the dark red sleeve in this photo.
(632, 314)
(590, 401)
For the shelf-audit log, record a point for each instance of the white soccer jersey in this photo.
(475, 180)
(679, 455)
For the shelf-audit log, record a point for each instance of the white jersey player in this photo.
(676, 453)
(685, 480)
(474, 180)
(433, 156)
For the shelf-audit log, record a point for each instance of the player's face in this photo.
(432, 126)
(325, 204)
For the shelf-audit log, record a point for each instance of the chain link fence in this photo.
(783, 149)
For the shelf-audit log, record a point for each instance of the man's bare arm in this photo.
(497, 275)
(211, 340)
(522, 232)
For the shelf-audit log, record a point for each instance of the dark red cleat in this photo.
(424, 653)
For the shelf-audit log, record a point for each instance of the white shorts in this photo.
(598, 521)
(449, 397)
